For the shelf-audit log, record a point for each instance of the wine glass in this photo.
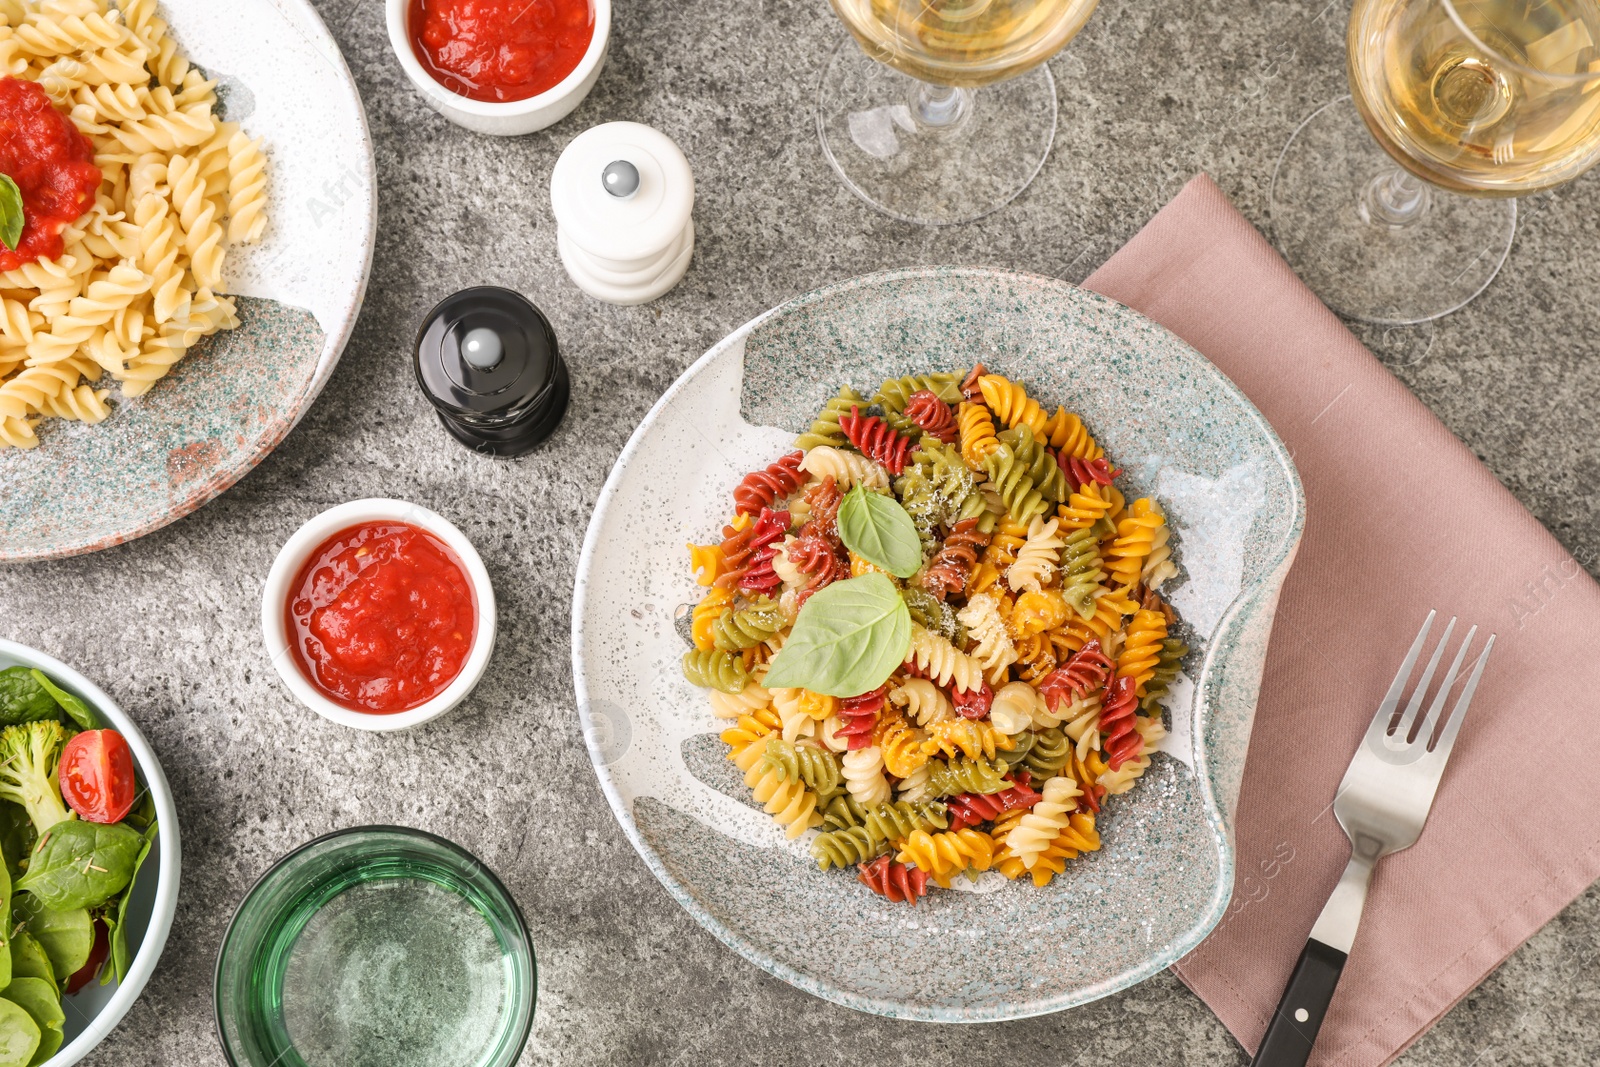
(1394, 204)
(945, 112)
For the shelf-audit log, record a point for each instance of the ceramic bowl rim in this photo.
(1267, 585)
(333, 345)
(292, 556)
(405, 831)
(398, 17)
(169, 853)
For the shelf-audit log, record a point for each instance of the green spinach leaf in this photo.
(42, 1002)
(119, 923)
(82, 864)
(11, 217)
(876, 528)
(28, 959)
(76, 709)
(67, 937)
(847, 641)
(17, 837)
(23, 699)
(5, 942)
(19, 1036)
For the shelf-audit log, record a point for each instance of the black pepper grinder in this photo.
(487, 359)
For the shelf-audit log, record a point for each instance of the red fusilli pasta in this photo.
(931, 415)
(894, 880)
(761, 488)
(1085, 672)
(859, 716)
(874, 438)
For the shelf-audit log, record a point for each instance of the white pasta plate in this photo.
(297, 289)
(1000, 949)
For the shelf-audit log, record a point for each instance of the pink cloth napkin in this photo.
(1401, 518)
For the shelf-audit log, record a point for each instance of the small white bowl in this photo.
(503, 119)
(293, 556)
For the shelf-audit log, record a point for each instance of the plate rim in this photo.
(333, 345)
(163, 911)
(1264, 590)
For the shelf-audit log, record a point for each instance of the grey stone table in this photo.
(1150, 93)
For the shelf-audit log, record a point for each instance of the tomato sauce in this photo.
(500, 50)
(52, 164)
(381, 617)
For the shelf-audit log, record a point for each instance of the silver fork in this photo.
(1382, 804)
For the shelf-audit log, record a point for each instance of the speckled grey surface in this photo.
(1150, 93)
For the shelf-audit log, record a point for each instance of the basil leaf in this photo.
(876, 528)
(75, 708)
(81, 864)
(847, 641)
(23, 699)
(10, 212)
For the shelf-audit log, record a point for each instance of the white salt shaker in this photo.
(623, 196)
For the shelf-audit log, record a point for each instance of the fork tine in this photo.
(1447, 738)
(1409, 717)
(1429, 720)
(1391, 699)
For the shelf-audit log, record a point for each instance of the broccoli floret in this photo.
(29, 755)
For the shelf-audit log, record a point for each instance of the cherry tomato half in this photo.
(97, 776)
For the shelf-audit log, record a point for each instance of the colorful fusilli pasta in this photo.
(1029, 689)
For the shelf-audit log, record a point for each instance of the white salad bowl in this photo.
(293, 555)
(94, 1011)
(996, 950)
(517, 116)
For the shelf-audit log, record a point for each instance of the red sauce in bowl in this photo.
(381, 617)
(500, 50)
(52, 164)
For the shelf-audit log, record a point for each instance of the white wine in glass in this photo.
(1489, 97)
(1472, 102)
(963, 42)
(945, 112)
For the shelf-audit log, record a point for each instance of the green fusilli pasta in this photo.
(962, 775)
(1042, 467)
(711, 669)
(748, 626)
(931, 613)
(1172, 652)
(1012, 481)
(879, 825)
(816, 767)
(894, 393)
(1051, 750)
(825, 431)
(1081, 571)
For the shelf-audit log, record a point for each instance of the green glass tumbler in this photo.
(378, 946)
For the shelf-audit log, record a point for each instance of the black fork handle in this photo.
(1294, 1026)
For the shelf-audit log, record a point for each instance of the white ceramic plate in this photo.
(1182, 432)
(230, 402)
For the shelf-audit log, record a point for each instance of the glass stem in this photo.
(941, 107)
(1395, 199)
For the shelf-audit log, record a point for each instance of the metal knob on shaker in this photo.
(488, 361)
